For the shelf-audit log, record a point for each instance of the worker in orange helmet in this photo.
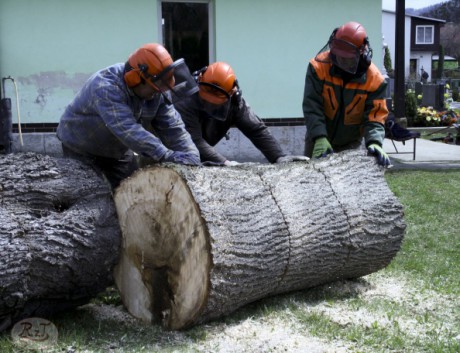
(344, 98)
(209, 114)
(114, 114)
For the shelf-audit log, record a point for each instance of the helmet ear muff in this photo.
(238, 93)
(332, 36)
(133, 77)
(367, 52)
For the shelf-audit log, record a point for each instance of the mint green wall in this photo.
(50, 47)
(269, 43)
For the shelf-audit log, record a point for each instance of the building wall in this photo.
(423, 62)
(50, 47)
(271, 41)
(417, 21)
(388, 33)
(236, 148)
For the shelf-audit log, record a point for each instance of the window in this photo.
(424, 35)
(186, 31)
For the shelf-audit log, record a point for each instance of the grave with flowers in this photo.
(441, 118)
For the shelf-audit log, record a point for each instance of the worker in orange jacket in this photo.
(344, 97)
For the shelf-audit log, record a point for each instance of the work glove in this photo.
(231, 163)
(287, 159)
(183, 158)
(379, 153)
(321, 148)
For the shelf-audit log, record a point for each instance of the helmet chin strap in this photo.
(166, 98)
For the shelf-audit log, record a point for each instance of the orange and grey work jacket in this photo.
(344, 113)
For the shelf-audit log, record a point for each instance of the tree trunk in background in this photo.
(198, 243)
(59, 235)
(440, 70)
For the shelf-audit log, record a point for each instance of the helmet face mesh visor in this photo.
(216, 111)
(175, 79)
(345, 55)
(213, 93)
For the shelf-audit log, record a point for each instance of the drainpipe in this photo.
(6, 125)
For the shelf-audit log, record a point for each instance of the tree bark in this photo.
(59, 235)
(198, 243)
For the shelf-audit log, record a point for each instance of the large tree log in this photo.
(199, 243)
(59, 235)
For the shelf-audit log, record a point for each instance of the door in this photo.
(186, 32)
(413, 64)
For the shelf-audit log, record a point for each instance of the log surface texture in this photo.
(59, 235)
(198, 243)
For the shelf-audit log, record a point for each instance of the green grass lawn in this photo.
(412, 306)
(431, 248)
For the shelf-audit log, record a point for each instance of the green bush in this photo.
(411, 106)
(455, 95)
(387, 63)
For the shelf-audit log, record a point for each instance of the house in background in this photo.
(422, 38)
(50, 47)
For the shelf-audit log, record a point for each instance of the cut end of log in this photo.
(163, 272)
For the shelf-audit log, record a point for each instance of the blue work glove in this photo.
(288, 159)
(321, 148)
(183, 158)
(379, 153)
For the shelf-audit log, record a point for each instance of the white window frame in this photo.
(211, 26)
(424, 27)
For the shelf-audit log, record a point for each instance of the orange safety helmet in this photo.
(353, 33)
(348, 44)
(217, 83)
(146, 62)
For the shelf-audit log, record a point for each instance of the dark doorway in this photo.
(185, 27)
(413, 69)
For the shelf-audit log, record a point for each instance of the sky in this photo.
(415, 4)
